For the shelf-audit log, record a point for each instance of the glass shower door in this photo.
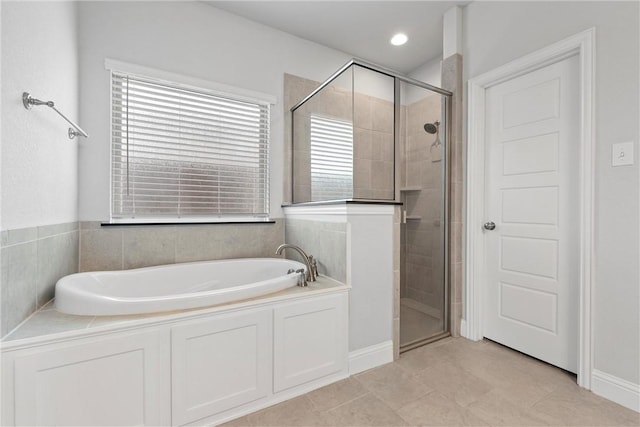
(423, 290)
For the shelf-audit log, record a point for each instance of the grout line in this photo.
(79, 260)
(36, 280)
(348, 401)
(175, 245)
(91, 322)
(19, 325)
(434, 391)
(121, 249)
(50, 305)
(37, 239)
(20, 243)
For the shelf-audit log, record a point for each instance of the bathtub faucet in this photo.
(311, 274)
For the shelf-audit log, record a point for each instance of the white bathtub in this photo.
(172, 287)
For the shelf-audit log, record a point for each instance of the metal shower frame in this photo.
(448, 97)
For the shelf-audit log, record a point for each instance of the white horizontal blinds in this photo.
(180, 152)
(331, 159)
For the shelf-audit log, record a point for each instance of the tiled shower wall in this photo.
(452, 81)
(295, 89)
(116, 248)
(33, 259)
(372, 148)
(372, 120)
(423, 246)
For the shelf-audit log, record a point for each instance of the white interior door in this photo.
(532, 255)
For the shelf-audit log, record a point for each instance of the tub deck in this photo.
(50, 323)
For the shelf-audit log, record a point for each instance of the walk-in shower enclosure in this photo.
(369, 134)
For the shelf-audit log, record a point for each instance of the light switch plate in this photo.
(622, 154)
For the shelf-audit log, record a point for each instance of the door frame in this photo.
(582, 45)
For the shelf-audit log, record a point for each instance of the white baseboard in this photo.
(621, 391)
(370, 357)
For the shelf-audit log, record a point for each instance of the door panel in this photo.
(530, 104)
(528, 306)
(531, 184)
(530, 155)
(524, 255)
(538, 205)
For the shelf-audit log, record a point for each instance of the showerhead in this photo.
(432, 127)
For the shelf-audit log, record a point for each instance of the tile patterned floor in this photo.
(454, 382)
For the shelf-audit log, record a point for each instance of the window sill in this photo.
(179, 223)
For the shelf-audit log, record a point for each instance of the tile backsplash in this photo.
(125, 247)
(33, 259)
(326, 241)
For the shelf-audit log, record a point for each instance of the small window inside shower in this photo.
(331, 158)
(343, 143)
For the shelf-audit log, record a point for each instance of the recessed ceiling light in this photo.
(399, 39)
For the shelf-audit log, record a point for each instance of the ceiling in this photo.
(359, 28)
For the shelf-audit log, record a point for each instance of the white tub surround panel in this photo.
(369, 272)
(197, 367)
(308, 341)
(220, 363)
(114, 380)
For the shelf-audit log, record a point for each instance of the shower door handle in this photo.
(489, 225)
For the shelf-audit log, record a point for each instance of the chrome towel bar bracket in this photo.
(28, 101)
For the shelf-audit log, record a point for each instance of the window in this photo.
(331, 159)
(184, 152)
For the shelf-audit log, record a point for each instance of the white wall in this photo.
(1, 121)
(430, 72)
(192, 39)
(39, 162)
(372, 83)
(498, 32)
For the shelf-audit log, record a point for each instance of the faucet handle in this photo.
(314, 266)
(302, 279)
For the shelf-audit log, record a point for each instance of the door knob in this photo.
(489, 225)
